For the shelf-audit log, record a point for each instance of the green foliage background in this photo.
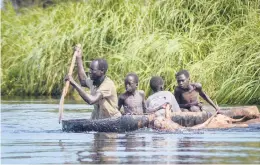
(218, 41)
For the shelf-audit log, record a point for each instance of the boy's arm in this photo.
(143, 101)
(205, 96)
(90, 99)
(83, 79)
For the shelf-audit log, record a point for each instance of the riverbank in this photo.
(217, 41)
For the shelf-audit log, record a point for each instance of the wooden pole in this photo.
(67, 84)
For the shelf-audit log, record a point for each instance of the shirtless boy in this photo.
(187, 94)
(132, 100)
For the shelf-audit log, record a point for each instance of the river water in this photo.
(31, 134)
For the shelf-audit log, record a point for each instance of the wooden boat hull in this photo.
(134, 122)
(121, 124)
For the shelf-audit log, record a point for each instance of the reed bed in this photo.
(218, 41)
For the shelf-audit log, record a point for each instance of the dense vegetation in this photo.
(218, 41)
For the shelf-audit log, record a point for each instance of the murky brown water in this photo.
(31, 135)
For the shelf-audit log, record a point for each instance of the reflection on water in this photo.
(30, 134)
(102, 143)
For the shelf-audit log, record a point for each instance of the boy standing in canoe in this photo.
(132, 100)
(102, 89)
(187, 94)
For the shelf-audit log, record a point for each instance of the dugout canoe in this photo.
(133, 122)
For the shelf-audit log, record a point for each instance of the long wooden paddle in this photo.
(67, 84)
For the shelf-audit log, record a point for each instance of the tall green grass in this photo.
(218, 41)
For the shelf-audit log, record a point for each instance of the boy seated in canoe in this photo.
(132, 100)
(159, 103)
(187, 94)
(160, 97)
(102, 89)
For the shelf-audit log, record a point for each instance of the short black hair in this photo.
(155, 82)
(185, 72)
(133, 75)
(102, 64)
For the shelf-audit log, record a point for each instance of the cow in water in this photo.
(215, 121)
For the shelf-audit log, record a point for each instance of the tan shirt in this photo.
(107, 106)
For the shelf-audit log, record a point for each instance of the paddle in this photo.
(66, 87)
